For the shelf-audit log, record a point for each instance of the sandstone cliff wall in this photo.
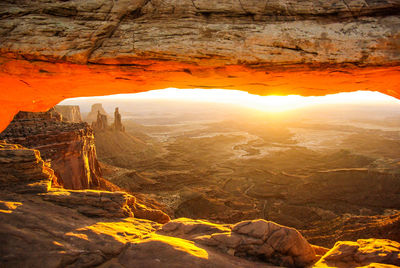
(69, 147)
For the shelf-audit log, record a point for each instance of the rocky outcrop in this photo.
(22, 170)
(68, 147)
(268, 241)
(38, 233)
(363, 253)
(142, 211)
(117, 126)
(94, 203)
(105, 47)
(101, 123)
(70, 113)
(93, 115)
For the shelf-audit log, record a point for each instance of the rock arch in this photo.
(63, 49)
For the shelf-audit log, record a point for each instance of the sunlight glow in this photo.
(272, 104)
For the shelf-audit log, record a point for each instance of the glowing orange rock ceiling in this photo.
(52, 51)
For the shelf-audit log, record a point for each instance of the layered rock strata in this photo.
(22, 170)
(84, 48)
(245, 32)
(69, 147)
(94, 203)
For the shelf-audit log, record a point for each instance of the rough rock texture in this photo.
(373, 252)
(94, 203)
(37, 233)
(22, 170)
(230, 32)
(98, 47)
(70, 113)
(68, 146)
(269, 241)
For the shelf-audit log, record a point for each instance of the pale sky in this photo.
(262, 103)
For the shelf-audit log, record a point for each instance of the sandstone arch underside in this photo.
(52, 50)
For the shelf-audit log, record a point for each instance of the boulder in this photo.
(260, 239)
(363, 252)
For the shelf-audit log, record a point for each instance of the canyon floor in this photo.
(334, 175)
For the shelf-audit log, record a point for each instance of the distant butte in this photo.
(52, 51)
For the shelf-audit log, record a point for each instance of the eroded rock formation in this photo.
(82, 48)
(69, 147)
(94, 113)
(70, 113)
(278, 244)
(101, 123)
(117, 126)
(22, 170)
